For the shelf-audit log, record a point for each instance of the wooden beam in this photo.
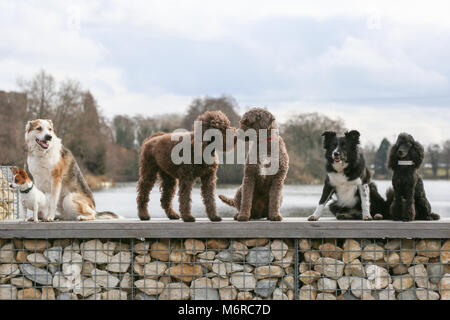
(228, 228)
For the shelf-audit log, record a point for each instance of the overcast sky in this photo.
(381, 66)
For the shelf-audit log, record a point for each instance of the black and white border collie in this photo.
(349, 180)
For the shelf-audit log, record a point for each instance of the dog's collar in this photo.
(405, 162)
(27, 190)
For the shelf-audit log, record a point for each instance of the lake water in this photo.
(298, 200)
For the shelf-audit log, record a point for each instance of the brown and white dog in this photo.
(31, 197)
(56, 173)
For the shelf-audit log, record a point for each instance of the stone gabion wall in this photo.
(225, 269)
(351, 269)
(8, 198)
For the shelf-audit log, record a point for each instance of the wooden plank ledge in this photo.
(228, 228)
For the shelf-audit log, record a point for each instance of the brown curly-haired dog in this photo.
(155, 160)
(260, 195)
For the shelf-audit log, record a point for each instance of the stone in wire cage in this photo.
(9, 198)
(225, 269)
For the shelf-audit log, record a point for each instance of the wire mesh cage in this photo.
(9, 198)
(374, 269)
(150, 269)
(225, 269)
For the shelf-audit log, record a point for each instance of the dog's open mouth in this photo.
(337, 159)
(42, 143)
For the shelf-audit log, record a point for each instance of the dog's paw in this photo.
(313, 218)
(367, 218)
(435, 216)
(189, 218)
(48, 219)
(144, 215)
(84, 218)
(378, 216)
(216, 218)
(346, 216)
(241, 217)
(173, 216)
(278, 217)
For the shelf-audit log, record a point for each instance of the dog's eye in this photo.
(39, 129)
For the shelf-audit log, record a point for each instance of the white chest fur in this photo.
(41, 167)
(346, 191)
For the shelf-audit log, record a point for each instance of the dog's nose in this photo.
(336, 154)
(48, 137)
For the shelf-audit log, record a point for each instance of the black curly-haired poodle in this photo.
(409, 199)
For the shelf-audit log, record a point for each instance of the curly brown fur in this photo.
(260, 196)
(155, 160)
(409, 198)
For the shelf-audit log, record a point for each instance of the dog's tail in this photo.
(377, 204)
(107, 215)
(389, 196)
(227, 200)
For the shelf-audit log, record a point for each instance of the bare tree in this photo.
(226, 104)
(41, 93)
(303, 137)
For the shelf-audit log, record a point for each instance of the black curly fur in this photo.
(409, 199)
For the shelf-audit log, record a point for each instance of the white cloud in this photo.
(336, 72)
(428, 125)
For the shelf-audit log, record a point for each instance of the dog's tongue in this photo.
(42, 143)
(337, 159)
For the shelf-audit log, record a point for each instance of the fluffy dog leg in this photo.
(147, 178)
(184, 197)
(396, 209)
(364, 193)
(168, 188)
(275, 197)
(207, 190)
(54, 197)
(76, 206)
(326, 195)
(35, 213)
(247, 199)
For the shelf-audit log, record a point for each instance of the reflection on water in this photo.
(298, 200)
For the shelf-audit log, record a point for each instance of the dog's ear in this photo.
(248, 119)
(22, 173)
(353, 136)
(14, 170)
(267, 123)
(28, 126)
(328, 136)
(417, 153)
